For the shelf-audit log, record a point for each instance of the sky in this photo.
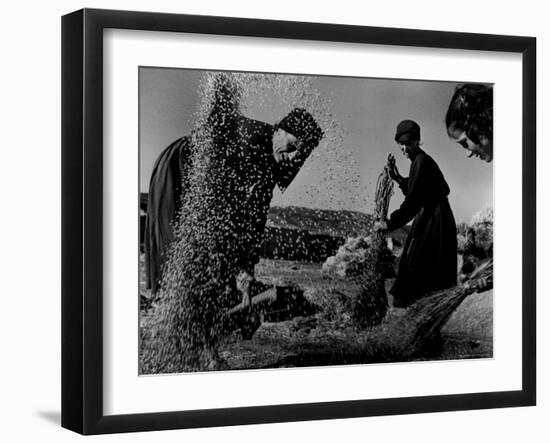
(359, 116)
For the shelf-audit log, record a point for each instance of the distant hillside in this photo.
(320, 221)
(339, 224)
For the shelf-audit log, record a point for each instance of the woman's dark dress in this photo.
(168, 179)
(429, 258)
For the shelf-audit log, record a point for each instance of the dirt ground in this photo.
(329, 337)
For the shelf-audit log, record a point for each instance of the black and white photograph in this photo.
(280, 222)
(292, 220)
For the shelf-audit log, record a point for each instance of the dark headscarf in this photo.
(303, 126)
(407, 130)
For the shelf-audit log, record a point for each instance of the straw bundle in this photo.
(384, 191)
(371, 304)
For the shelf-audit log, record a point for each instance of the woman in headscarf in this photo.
(265, 156)
(429, 258)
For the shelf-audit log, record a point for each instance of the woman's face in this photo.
(409, 148)
(284, 145)
(482, 150)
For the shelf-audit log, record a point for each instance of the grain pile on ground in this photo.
(469, 331)
(349, 259)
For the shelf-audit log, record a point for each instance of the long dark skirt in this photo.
(429, 258)
(167, 183)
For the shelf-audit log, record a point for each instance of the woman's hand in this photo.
(392, 169)
(244, 282)
(380, 226)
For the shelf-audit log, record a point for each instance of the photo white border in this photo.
(125, 392)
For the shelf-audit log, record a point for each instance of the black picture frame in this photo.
(82, 218)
